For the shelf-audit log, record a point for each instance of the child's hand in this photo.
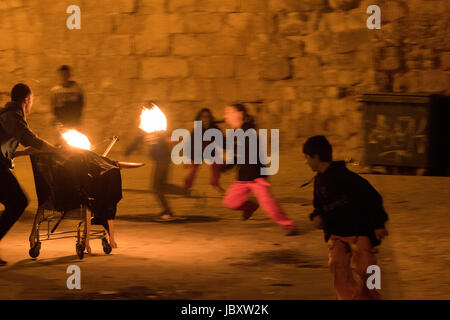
(317, 222)
(380, 234)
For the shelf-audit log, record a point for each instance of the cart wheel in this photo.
(35, 250)
(80, 250)
(106, 246)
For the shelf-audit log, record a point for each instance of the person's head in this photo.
(22, 94)
(236, 116)
(205, 115)
(317, 150)
(64, 73)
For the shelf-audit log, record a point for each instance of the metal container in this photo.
(407, 131)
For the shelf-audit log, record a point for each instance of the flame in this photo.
(77, 140)
(153, 120)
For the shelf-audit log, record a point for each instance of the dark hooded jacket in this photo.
(249, 170)
(347, 204)
(14, 130)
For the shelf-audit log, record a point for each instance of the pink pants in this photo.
(237, 195)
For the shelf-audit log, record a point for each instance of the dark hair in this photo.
(64, 67)
(199, 114)
(318, 145)
(20, 92)
(247, 118)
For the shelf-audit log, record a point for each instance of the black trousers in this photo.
(160, 185)
(12, 197)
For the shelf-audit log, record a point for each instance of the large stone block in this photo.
(116, 45)
(10, 4)
(130, 68)
(343, 21)
(237, 24)
(251, 90)
(223, 44)
(162, 23)
(193, 45)
(349, 41)
(275, 68)
(246, 68)
(304, 66)
(77, 43)
(293, 24)
(8, 63)
(190, 90)
(292, 47)
(213, 67)
(152, 90)
(393, 10)
(226, 90)
(296, 5)
(151, 7)
(274, 90)
(445, 60)
(218, 5)
(318, 42)
(253, 5)
(344, 4)
(124, 6)
(164, 67)
(93, 23)
(182, 5)
(7, 39)
(201, 22)
(152, 44)
(125, 23)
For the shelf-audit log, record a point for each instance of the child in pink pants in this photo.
(250, 179)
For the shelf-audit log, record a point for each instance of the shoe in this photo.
(166, 216)
(2, 262)
(292, 232)
(253, 206)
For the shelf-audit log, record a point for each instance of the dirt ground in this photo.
(211, 254)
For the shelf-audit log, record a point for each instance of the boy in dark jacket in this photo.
(350, 212)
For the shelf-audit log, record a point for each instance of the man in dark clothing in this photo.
(14, 130)
(351, 213)
(67, 100)
(160, 152)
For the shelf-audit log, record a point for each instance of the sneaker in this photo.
(249, 212)
(292, 232)
(2, 262)
(166, 216)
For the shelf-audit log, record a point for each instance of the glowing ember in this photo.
(153, 120)
(77, 140)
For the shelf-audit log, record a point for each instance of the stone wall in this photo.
(306, 61)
